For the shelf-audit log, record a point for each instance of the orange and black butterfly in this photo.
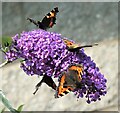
(69, 80)
(71, 46)
(48, 21)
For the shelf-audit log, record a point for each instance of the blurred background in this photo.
(85, 23)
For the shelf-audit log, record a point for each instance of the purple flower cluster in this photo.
(93, 83)
(44, 52)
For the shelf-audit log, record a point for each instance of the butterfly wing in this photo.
(50, 19)
(71, 46)
(63, 87)
(69, 43)
(46, 23)
(76, 47)
(32, 21)
(48, 80)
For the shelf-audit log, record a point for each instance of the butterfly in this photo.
(71, 46)
(48, 21)
(69, 80)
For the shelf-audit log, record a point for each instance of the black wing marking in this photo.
(48, 80)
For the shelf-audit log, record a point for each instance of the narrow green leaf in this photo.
(1, 111)
(6, 102)
(20, 108)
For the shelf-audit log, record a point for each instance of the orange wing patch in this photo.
(52, 13)
(70, 44)
(63, 89)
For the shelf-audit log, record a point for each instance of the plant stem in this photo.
(3, 64)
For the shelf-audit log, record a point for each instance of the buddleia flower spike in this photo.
(44, 53)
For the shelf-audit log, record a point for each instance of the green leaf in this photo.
(6, 41)
(20, 108)
(6, 102)
(1, 111)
